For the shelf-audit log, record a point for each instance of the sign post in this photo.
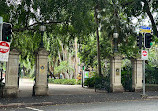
(4, 51)
(144, 53)
(1, 24)
(83, 75)
(144, 57)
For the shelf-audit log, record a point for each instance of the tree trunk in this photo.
(76, 59)
(146, 5)
(59, 56)
(52, 68)
(70, 64)
(63, 51)
(98, 47)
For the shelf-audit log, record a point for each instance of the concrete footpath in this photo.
(67, 94)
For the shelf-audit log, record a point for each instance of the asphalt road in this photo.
(135, 105)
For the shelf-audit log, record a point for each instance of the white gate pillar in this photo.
(11, 78)
(137, 74)
(40, 87)
(115, 75)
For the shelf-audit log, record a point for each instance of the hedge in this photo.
(64, 81)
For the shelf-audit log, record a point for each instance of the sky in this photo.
(144, 22)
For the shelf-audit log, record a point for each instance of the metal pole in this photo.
(115, 46)
(1, 24)
(144, 70)
(1, 70)
(144, 77)
(1, 32)
(83, 77)
(42, 45)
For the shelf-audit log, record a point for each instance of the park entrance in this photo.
(40, 87)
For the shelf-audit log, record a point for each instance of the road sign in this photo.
(4, 50)
(145, 29)
(4, 47)
(86, 74)
(144, 55)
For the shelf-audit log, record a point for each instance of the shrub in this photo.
(59, 81)
(50, 80)
(79, 82)
(151, 76)
(98, 82)
(1, 85)
(69, 81)
(126, 78)
(89, 82)
(102, 83)
(64, 81)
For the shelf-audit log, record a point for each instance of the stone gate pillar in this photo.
(11, 78)
(137, 74)
(115, 75)
(40, 87)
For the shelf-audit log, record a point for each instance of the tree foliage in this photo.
(67, 19)
(142, 8)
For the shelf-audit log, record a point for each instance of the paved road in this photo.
(74, 94)
(137, 105)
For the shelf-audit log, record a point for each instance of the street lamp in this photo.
(115, 36)
(42, 29)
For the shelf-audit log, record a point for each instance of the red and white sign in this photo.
(4, 47)
(144, 55)
(4, 51)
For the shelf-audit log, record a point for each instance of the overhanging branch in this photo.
(34, 24)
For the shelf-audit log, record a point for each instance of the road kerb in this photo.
(152, 97)
(25, 104)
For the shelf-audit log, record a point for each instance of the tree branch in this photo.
(147, 9)
(34, 24)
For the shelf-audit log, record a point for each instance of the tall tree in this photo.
(97, 34)
(140, 8)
